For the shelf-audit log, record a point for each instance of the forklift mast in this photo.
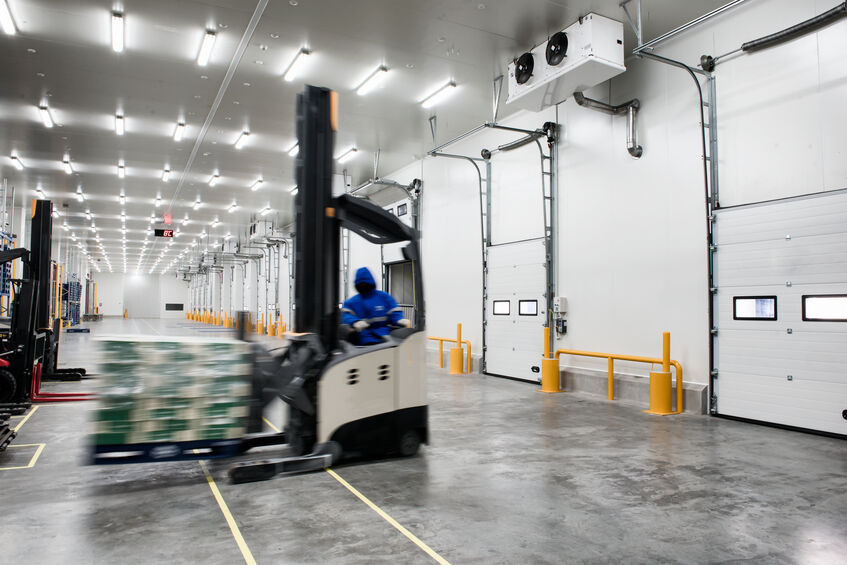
(39, 263)
(317, 241)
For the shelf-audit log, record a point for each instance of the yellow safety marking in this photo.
(274, 428)
(149, 325)
(428, 550)
(24, 421)
(31, 461)
(236, 533)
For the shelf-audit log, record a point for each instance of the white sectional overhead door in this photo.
(515, 310)
(781, 277)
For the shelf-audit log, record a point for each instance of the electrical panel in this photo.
(583, 55)
(560, 305)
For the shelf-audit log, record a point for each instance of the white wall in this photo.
(173, 290)
(144, 295)
(631, 247)
(110, 293)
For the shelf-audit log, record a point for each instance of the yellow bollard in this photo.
(457, 354)
(280, 328)
(550, 375)
(126, 313)
(661, 399)
(260, 326)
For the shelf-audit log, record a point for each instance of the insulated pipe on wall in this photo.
(708, 63)
(803, 28)
(630, 108)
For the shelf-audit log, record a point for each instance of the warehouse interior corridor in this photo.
(423, 281)
(581, 479)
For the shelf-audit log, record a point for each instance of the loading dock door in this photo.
(781, 312)
(515, 310)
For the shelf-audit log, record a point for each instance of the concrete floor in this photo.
(512, 476)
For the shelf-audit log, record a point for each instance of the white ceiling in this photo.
(62, 54)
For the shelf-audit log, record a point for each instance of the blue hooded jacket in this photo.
(377, 308)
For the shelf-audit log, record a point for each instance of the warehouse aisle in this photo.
(512, 476)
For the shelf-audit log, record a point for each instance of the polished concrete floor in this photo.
(511, 476)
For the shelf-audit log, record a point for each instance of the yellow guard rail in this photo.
(458, 341)
(666, 362)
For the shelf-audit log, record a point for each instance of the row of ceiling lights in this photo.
(204, 54)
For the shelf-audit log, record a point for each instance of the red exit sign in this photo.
(164, 233)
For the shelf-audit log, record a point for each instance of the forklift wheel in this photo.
(409, 443)
(8, 386)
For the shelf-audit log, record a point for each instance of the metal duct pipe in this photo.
(631, 137)
(630, 108)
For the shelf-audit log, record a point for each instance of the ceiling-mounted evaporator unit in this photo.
(583, 55)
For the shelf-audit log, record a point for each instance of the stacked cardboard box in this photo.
(170, 389)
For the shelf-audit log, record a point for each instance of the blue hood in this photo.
(363, 275)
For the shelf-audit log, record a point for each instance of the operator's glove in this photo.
(403, 322)
(360, 325)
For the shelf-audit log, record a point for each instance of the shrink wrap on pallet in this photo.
(171, 389)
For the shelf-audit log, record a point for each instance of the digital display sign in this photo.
(164, 233)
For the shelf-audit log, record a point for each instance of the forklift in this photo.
(343, 400)
(29, 348)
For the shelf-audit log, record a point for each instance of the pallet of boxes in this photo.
(162, 398)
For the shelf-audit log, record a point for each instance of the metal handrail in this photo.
(441, 341)
(612, 357)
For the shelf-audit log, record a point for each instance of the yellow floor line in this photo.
(384, 515)
(236, 533)
(149, 325)
(428, 550)
(274, 428)
(26, 418)
(32, 460)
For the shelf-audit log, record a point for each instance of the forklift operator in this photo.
(372, 313)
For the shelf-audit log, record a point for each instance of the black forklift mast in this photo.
(40, 249)
(317, 242)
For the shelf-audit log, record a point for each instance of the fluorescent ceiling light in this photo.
(122, 198)
(117, 32)
(166, 174)
(264, 211)
(80, 197)
(295, 149)
(215, 178)
(215, 223)
(293, 189)
(56, 213)
(66, 163)
(121, 169)
(296, 65)
(46, 116)
(119, 124)
(40, 193)
(6, 20)
(239, 143)
(228, 236)
(158, 200)
(179, 131)
(88, 215)
(197, 204)
(257, 184)
(16, 161)
(232, 207)
(347, 155)
(374, 79)
(439, 95)
(206, 48)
